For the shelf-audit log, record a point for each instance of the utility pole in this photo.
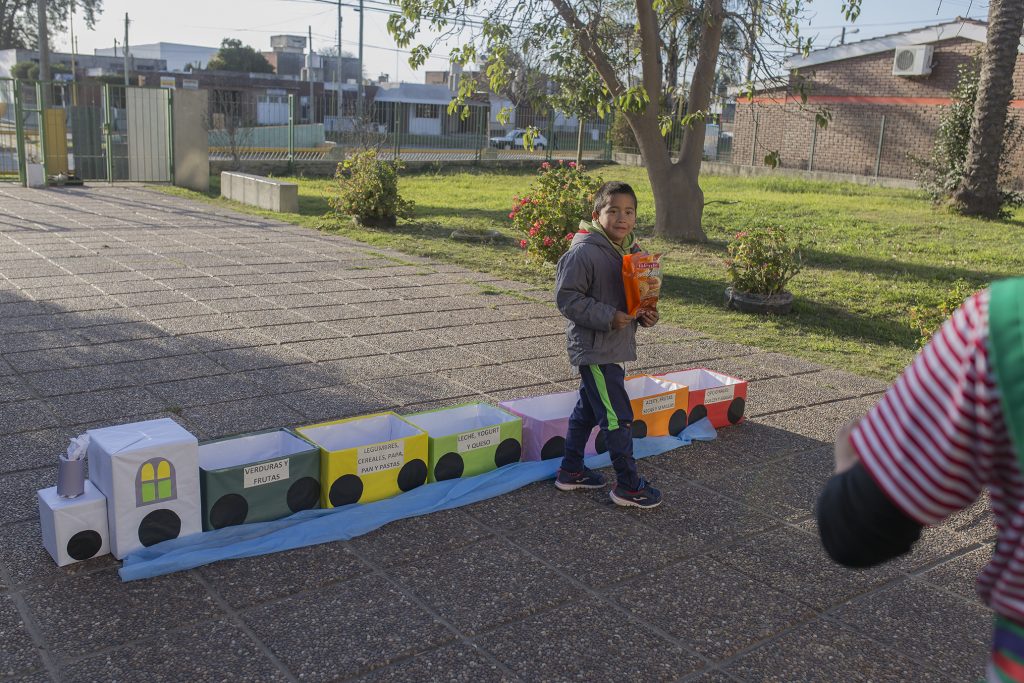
(44, 43)
(125, 49)
(842, 37)
(74, 49)
(337, 75)
(359, 80)
(71, 25)
(309, 75)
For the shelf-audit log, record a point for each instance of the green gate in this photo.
(93, 130)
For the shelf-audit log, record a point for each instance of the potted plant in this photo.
(761, 262)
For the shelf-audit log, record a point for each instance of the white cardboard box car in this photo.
(74, 529)
(149, 472)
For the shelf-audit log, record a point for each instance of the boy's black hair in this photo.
(603, 197)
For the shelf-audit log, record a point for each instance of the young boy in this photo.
(601, 336)
(952, 424)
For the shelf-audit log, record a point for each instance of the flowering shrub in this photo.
(927, 320)
(762, 261)
(368, 190)
(548, 216)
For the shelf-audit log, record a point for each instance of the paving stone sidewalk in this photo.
(121, 304)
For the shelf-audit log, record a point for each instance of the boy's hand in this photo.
(621, 319)
(845, 455)
(649, 317)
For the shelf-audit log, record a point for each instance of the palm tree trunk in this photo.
(978, 193)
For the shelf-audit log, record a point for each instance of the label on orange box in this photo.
(380, 456)
(481, 438)
(719, 394)
(658, 404)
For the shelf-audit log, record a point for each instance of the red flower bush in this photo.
(548, 216)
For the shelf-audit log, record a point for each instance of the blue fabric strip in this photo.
(312, 527)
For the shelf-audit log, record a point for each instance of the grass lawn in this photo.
(872, 253)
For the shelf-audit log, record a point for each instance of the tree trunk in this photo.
(679, 203)
(978, 193)
(678, 199)
(684, 203)
(579, 143)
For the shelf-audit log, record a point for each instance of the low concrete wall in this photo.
(326, 169)
(265, 193)
(719, 168)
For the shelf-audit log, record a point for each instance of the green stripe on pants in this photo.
(602, 390)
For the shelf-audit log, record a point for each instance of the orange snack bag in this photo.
(641, 276)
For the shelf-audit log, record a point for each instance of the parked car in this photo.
(516, 138)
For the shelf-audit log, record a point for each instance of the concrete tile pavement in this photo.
(121, 303)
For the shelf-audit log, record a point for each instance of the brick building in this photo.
(880, 120)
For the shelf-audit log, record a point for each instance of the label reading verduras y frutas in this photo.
(265, 473)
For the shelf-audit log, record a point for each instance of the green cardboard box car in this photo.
(469, 439)
(257, 477)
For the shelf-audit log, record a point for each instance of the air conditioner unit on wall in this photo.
(912, 60)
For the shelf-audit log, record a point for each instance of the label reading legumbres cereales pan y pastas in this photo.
(380, 456)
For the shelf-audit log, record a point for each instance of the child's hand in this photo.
(621, 319)
(845, 455)
(649, 317)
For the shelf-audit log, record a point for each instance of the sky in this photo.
(206, 22)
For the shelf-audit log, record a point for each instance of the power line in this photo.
(929, 20)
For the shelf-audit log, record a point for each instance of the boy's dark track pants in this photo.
(603, 402)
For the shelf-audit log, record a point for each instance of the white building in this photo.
(177, 55)
(428, 102)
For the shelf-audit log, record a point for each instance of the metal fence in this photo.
(91, 130)
(288, 127)
(891, 142)
(718, 141)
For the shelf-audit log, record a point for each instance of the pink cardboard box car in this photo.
(545, 421)
(659, 408)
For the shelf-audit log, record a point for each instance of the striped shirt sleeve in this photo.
(922, 443)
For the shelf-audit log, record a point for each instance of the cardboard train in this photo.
(153, 481)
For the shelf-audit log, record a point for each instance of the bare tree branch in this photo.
(650, 52)
(590, 47)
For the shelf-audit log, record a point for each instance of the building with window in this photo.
(886, 97)
(425, 105)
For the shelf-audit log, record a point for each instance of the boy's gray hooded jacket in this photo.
(588, 291)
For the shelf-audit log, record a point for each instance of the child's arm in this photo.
(572, 287)
(859, 526)
(916, 457)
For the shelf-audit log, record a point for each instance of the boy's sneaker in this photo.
(646, 496)
(587, 479)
